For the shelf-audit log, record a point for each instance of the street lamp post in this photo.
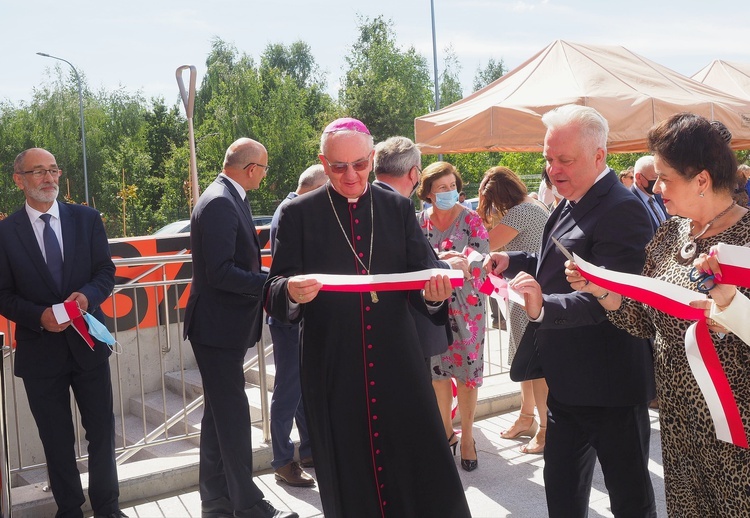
(83, 130)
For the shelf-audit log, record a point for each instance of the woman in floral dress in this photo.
(449, 226)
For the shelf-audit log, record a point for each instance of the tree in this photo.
(449, 83)
(492, 72)
(385, 87)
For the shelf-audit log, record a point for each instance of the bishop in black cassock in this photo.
(377, 439)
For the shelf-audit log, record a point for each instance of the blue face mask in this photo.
(98, 330)
(446, 200)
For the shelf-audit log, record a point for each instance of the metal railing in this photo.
(153, 372)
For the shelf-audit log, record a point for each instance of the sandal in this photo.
(539, 448)
(528, 432)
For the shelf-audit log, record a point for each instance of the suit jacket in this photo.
(585, 359)
(224, 308)
(27, 288)
(432, 338)
(650, 213)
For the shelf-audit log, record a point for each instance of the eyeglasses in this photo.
(265, 167)
(704, 282)
(342, 167)
(41, 173)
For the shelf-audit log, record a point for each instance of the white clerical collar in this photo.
(237, 186)
(352, 200)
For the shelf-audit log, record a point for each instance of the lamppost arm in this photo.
(83, 130)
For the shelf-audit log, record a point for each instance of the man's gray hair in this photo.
(642, 163)
(324, 138)
(593, 126)
(312, 176)
(396, 156)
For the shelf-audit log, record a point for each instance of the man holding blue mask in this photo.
(51, 253)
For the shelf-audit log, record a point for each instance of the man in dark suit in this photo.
(52, 252)
(600, 378)
(286, 404)
(223, 320)
(396, 167)
(643, 188)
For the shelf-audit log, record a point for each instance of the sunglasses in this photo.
(342, 167)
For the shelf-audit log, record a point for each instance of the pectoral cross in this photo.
(374, 297)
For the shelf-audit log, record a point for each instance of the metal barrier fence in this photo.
(152, 372)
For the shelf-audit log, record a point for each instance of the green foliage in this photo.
(449, 82)
(492, 72)
(385, 87)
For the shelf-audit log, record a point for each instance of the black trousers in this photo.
(226, 454)
(619, 437)
(49, 400)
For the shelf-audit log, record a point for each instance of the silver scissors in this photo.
(562, 248)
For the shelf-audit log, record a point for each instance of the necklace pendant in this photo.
(374, 297)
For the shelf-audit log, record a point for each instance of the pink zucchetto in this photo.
(347, 124)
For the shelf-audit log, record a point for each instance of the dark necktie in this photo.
(656, 211)
(52, 251)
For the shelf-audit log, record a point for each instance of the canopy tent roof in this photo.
(732, 78)
(630, 91)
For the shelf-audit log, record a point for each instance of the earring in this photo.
(701, 195)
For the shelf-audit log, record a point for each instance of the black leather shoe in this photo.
(218, 508)
(116, 514)
(264, 509)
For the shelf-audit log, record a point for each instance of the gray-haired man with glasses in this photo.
(52, 252)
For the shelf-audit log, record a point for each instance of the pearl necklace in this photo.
(373, 294)
(689, 250)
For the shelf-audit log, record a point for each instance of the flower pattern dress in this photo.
(464, 359)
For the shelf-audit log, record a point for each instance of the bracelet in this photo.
(434, 304)
(722, 308)
(603, 296)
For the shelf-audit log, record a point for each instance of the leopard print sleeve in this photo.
(633, 316)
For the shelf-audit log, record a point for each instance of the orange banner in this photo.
(146, 306)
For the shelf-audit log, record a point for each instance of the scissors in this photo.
(562, 248)
(703, 281)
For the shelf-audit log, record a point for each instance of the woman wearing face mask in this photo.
(449, 226)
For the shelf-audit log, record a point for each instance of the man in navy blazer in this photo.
(643, 188)
(396, 167)
(600, 378)
(70, 263)
(223, 319)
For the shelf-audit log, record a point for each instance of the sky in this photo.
(138, 45)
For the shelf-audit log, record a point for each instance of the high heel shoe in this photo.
(528, 432)
(539, 448)
(470, 464)
(453, 444)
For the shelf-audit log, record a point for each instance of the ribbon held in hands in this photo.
(71, 311)
(701, 353)
(383, 282)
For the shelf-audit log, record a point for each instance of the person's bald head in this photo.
(311, 178)
(246, 162)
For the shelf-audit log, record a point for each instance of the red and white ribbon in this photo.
(701, 353)
(735, 264)
(383, 282)
(71, 311)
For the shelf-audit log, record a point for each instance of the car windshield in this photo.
(176, 227)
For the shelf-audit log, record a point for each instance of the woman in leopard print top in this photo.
(703, 476)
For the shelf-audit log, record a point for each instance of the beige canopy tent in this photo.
(732, 78)
(632, 92)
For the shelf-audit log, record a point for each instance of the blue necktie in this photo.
(52, 251)
(657, 212)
